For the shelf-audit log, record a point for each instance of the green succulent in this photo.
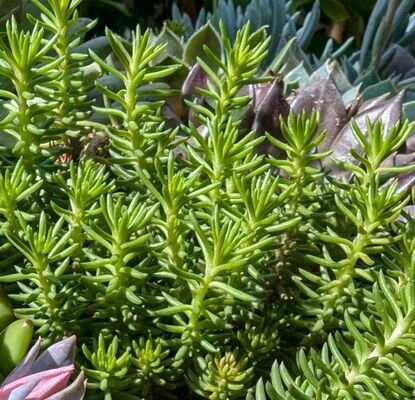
(217, 237)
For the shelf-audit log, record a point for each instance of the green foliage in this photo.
(184, 259)
(372, 359)
(220, 377)
(60, 18)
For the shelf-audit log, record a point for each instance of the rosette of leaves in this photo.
(185, 260)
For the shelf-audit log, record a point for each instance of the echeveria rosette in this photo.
(46, 376)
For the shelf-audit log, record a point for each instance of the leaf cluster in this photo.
(186, 262)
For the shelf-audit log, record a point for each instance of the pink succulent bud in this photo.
(46, 376)
(46, 383)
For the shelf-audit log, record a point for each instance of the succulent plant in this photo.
(273, 16)
(384, 64)
(339, 104)
(192, 254)
(15, 336)
(46, 376)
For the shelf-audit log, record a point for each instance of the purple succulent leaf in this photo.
(196, 78)
(390, 161)
(267, 117)
(259, 93)
(401, 63)
(172, 120)
(203, 131)
(21, 392)
(248, 90)
(404, 159)
(389, 112)
(75, 391)
(406, 181)
(45, 383)
(367, 105)
(24, 366)
(247, 119)
(191, 115)
(322, 95)
(410, 210)
(52, 385)
(410, 143)
(245, 115)
(58, 355)
(409, 74)
(393, 111)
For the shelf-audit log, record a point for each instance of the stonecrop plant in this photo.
(188, 263)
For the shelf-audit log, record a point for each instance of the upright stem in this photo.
(41, 265)
(24, 121)
(342, 278)
(197, 304)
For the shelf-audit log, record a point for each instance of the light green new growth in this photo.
(186, 263)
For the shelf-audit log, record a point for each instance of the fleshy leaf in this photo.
(75, 391)
(406, 181)
(374, 91)
(174, 46)
(42, 380)
(51, 385)
(196, 78)
(57, 355)
(268, 112)
(98, 45)
(367, 105)
(400, 63)
(22, 392)
(409, 111)
(409, 210)
(25, 365)
(206, 36)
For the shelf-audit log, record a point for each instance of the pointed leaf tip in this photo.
(58, 355)
(75, 391)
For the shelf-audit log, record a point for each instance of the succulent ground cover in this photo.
(198, 231)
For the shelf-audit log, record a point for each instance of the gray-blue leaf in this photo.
(58, 355)
(22, 391)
